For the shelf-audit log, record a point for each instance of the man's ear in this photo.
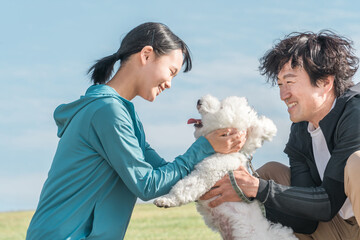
(146, 53)
(328, 83)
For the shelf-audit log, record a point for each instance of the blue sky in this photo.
(46, 48)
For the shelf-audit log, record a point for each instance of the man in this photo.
(319, 195)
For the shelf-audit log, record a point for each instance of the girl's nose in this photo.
(168, 84)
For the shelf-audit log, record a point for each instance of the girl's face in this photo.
(158, 73)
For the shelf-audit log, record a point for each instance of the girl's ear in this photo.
(145, 54)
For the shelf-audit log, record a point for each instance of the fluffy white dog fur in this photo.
(234, 220)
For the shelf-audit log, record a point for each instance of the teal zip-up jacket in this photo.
(102, 164)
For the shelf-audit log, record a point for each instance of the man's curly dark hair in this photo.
(321, 55)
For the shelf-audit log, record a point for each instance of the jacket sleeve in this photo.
(301, 205)
(297, 207)
(347, 141)
(116, 142)
(152, 157)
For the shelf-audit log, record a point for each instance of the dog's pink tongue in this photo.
(193, 120)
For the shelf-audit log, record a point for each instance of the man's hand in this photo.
(225, 192)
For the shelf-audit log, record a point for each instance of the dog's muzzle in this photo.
(197, 122)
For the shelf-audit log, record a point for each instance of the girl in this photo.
(103, 162)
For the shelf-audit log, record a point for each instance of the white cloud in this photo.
(225, 69)
(20, 192)
(35, 139)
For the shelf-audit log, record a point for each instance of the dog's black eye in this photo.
(198, 105)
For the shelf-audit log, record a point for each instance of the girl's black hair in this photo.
(320, 54)
(156, 35)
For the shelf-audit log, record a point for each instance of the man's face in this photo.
(305, 102)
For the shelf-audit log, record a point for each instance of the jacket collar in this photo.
(329, 122)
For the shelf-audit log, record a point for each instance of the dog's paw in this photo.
(164, 202)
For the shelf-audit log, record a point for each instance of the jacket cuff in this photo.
(199, 150)
(205, 146)
(263, 191)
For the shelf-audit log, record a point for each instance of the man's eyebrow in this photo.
(288, 75)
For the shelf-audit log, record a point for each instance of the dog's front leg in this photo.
(187, 190)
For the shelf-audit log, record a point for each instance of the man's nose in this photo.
(284, 93)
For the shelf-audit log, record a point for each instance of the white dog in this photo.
(234, 220)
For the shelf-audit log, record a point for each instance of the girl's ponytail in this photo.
(103, 68)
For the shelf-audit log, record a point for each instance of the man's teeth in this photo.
(291, 105)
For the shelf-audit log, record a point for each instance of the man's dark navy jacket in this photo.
(309, 200)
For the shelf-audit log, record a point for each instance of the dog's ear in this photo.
(267, 128)
(208, 104)
(262, 129)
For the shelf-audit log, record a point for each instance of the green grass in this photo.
(150, 222)
(147, 222)
(13, 225)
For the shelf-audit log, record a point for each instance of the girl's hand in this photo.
(226, 140)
